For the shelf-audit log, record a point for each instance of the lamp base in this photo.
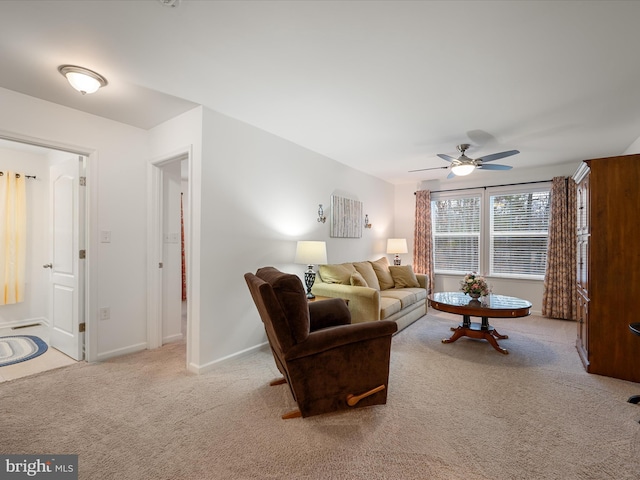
(397, 261)
(309, 280)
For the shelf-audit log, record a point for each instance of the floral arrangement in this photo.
(474, 285)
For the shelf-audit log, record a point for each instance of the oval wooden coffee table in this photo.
(491, 306)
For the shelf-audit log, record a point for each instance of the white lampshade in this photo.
(82, 79)
(311, 253)
(397, 245)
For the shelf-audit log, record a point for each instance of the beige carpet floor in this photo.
(455, 411)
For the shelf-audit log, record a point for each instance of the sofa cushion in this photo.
(403, 276)
(389, 306)
(336, 273)
(358, 280)
(420, 293)
(404, 295)
(381, 267)
(368, 273)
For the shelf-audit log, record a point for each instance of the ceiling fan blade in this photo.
(432, 168)
(494, 166)
(448, 158)
(497, 156)
(451, 175)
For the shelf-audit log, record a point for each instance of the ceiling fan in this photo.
(464, 165)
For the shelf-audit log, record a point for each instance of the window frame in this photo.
(503, 191)
(459, 195)
(485, 245)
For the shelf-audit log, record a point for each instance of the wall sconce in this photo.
(321, 217)
(366, 221)
(82, 79)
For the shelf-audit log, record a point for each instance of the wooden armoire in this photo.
(608, 270)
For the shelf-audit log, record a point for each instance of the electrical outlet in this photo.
(105, 236)
(105, 313)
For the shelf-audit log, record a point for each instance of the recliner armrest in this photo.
(335, 337)
(328, 313)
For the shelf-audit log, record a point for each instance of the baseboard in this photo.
(173, 338)
(208, 367)
(22, 323)
(121, 351)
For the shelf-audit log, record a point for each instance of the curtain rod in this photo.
(18, 175)
(488, 186)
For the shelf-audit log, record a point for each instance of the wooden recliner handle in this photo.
(352, 400)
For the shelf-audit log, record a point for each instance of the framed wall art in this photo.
(346, 217)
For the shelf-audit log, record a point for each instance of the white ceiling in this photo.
(382, 86)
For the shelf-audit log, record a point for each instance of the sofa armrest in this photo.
(337, 337)
(328, 313)
(423, 280)
(364, 302)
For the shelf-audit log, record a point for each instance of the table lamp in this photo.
(396, 246)
(310, 253)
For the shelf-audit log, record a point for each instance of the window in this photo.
(456, 234)
(496, 231)
(518, 234)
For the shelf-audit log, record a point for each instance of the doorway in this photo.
(169, 255)
(35, 314)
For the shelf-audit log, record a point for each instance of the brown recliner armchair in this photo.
(328, 363)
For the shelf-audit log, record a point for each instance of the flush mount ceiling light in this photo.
(82, 79)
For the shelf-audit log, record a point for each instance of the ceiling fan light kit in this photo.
(462, 169)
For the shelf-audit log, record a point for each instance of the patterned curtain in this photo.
(422, 242)
(12, 237)
(559, 297)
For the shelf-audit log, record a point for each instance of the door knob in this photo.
(47, 265)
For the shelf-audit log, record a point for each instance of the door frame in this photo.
(89, 221)
(155, 178)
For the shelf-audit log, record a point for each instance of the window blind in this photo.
(519, 230)
(456, 234)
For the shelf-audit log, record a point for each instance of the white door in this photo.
(67, 269)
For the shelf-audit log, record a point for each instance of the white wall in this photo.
(405, 210)
(253, 195)
(633, 148)
(260, 194)
(117, 190)
(35, 304)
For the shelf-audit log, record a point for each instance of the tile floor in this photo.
(49, 360)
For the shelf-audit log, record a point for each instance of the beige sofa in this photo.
(375, 290)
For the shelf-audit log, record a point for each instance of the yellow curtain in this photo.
(12, 237)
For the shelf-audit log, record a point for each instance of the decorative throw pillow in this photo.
(358, 280)
(403, 276)
(381, 267)
(366, 270)
(338, 273)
